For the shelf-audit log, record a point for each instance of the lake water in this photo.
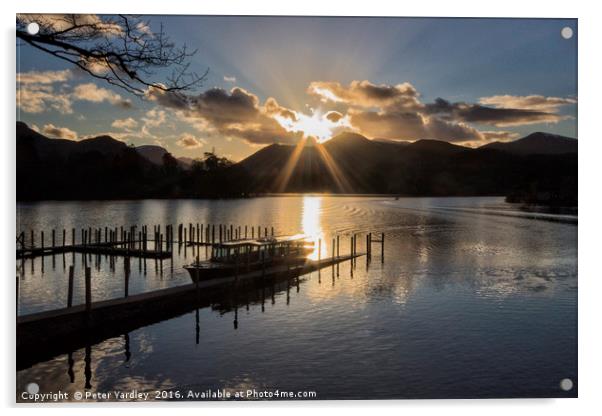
(475, 298)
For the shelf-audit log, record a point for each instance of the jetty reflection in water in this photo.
(468, 303)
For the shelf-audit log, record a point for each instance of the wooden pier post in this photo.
(42, 240)
(33, 244)
(319, 249)
(88, 290)
(245, 232)
(338, 245)
(332, 258)
(382, 248)
(64, 236)
(53, 238)
(272, 231)
(70, 288)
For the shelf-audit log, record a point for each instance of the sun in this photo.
(315, 125)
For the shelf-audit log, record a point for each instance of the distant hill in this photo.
(46, 148)
(154, 154)
(99, 167)
(355, 164)
(185, 162)
(529, 169)
(537, 143)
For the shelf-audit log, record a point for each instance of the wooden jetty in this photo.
(123, 241)
(134, 241)
(116, 249)
(41, 336)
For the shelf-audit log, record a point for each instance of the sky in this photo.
(285, 79)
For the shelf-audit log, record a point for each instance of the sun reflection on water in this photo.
(311, 224)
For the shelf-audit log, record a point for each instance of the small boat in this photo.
(247, 255)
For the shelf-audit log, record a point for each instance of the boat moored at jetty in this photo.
(246, 255)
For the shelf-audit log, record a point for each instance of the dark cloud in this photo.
(366, 94)
(334, 116)
(375, 110)
(527, 102)
(480, 114)
(411, 126)
(235, 113)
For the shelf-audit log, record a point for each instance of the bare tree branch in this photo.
(121, 50)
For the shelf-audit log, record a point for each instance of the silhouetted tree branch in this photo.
(121, 50)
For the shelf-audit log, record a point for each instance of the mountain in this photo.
(46, 148)
(99, 167)
(351, 163)
(537, 143)
(535, 168)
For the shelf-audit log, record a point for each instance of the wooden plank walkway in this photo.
(44, 335)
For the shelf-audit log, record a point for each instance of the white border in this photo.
(590, 151)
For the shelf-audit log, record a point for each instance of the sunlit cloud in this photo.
(316, 125)
(125, 124)
(527, 102)
(229, 79)
(41, 91)
(94, 93)
(44, 77)
(59, 132)
(38, 98)
(154, 118)
(366, 94)
(188, 141)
